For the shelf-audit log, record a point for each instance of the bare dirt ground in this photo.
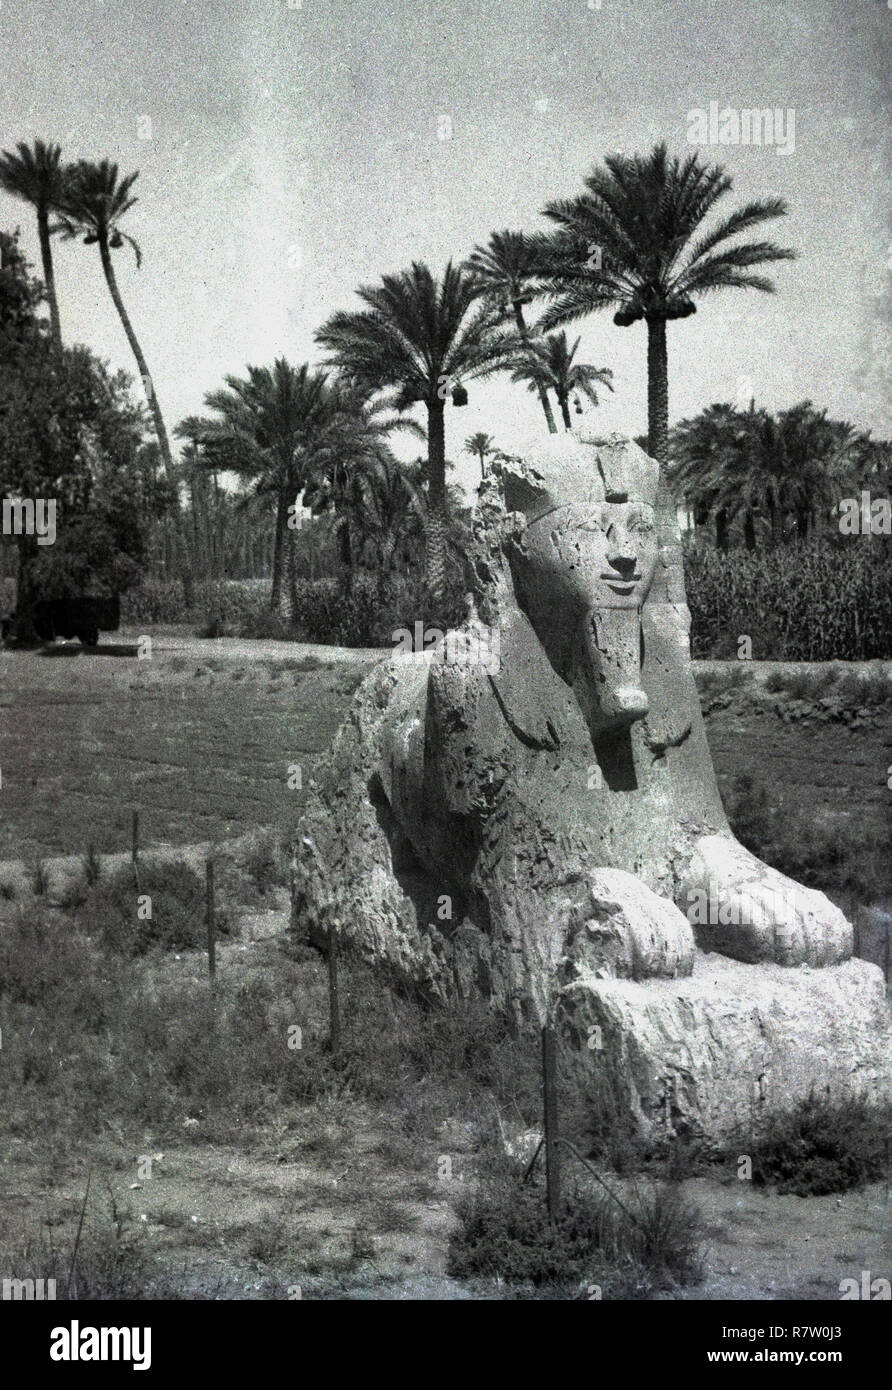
(345, 1204)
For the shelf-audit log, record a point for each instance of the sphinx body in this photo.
(532, 805)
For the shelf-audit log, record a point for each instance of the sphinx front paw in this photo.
(619, 928)
(743, 908)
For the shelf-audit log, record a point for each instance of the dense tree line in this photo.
(295, 461)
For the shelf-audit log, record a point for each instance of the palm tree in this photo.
(482, 445)
(785, 468)
(353, 473)
(710, 469)
(549, 365)
(798, 460)
(374, 498)
(200, 470)
(415, 339)
(269, 422)
(93, 202)
(639, 215)
(36, 176)
(504, 270)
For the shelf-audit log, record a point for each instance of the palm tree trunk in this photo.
(186, 577)
(49, 275)
(565, 412)
(291, 574)
(345, 551)
(196, 535)
(721, 529)
(435, 516)
(657, 391)
(275, 598)
(749, 531)
(219, 530)
(543, 394)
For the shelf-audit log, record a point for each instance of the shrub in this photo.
(261, 621)
(821, 1146)
(154, 601)
(264, 862)
(504, 1232)
(365, 615)
(177, 905)
(35, 961)
(326, 610)
(112, 1263)
(219, 604)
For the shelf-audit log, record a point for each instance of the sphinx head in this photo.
(582, 552)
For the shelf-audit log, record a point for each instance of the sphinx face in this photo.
(582, 574)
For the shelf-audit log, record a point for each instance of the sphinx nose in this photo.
(622, 560)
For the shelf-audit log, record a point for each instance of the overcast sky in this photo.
(288, 153)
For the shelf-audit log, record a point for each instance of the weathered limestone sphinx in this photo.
(529, 810)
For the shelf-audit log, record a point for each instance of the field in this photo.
(271, 1171)
(199, 738)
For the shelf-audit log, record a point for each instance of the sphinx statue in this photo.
(529, 809)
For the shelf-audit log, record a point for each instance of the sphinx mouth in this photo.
(621, 581)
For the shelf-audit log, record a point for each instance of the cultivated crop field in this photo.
(198, 740)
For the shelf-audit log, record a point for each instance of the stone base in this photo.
(707, 1055)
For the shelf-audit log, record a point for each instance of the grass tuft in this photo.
(821, 1146)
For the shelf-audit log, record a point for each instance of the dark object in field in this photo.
(76, 617)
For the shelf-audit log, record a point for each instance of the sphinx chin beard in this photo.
(607, 670)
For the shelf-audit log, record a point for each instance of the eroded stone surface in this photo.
(710, 1054)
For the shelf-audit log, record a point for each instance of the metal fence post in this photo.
(212, 924)
(552, 1151)
(333, 1000)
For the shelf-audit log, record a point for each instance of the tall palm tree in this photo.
(549, 365)
(504, 270)
(93, 202)
(355, 477)
(641, 215)
(196, 469)
(482, 445)
(416, 338)
(36, 176)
